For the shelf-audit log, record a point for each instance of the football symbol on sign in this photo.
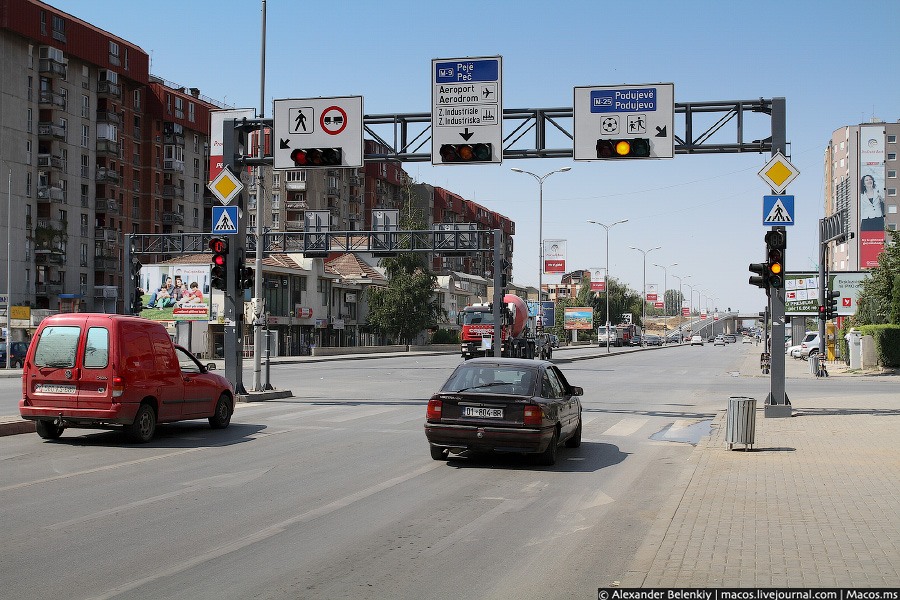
(609, 124)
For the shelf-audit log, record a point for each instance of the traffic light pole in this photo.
(234, 301)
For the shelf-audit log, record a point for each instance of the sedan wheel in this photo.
(547, 458)
(439, 453)
(575, 440)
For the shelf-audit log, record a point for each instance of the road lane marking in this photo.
(625, 427)
(268, 532)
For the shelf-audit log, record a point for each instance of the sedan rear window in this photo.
(491, 379)
(57, 347)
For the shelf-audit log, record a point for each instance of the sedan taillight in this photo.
(433, 413)
(533, 414)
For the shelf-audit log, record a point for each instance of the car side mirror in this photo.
(577, 390)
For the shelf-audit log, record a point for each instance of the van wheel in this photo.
(144, 425)
(48, 430)
(222, 417)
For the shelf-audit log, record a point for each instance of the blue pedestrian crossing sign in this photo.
(225, 220)
(778, 210)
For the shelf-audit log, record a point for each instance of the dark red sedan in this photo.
(504, 405)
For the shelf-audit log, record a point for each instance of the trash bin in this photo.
(740, 421)
(814, 364)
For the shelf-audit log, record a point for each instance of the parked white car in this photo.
(809, 347)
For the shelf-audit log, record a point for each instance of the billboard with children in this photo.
(175, 292)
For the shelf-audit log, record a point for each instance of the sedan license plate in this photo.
(490, 413)
(55, 388)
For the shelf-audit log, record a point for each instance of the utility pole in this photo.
(260, 198)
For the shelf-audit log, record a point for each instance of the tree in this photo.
(622, 299)
(879, 300)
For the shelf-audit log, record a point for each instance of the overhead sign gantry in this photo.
(318, 132)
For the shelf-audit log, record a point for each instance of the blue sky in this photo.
(834, 62)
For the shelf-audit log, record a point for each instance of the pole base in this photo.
(777, 411)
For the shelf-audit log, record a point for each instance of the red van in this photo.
(96, 370)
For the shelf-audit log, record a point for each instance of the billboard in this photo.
(554, 256)
(871, 195)
(176, 292)
(579, 317)
(598, 280)
(217, 120)
(801, 292)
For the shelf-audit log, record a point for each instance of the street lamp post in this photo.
(8, 267)
(680, 312)
(665, 285)
(644, 297)
(690, 305)
(540, 179)
(607, 228)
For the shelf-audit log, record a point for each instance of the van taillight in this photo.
(118, 387)
(533, 414)
(434, 410)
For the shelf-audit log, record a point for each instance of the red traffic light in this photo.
(317, 157)
(218, 245)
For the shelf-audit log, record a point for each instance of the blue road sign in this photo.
(225, 220)
(624, 100)
(463, 71)
(778, 210)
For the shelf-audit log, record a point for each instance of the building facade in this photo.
(860, 166)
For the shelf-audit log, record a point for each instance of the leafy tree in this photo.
(622, 299)
(879, 299)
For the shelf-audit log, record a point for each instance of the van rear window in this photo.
(96, 351)
(57, 347)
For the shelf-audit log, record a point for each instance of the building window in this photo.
(28, 184)
(85, 166)
(892, 156)
(196, 143)
(892, 139)
(275, 220)
(892, 174)
(892, 191)
(179, 107)
(29, 118)
(191, 112)
(276, 201)
(295, 176)
(892, 209)
(892, 226)
(59, 28)
(30, 86)
(85, 106)
(113, 53)
(137, 99)
(85, 136)
(84, 260)
(85, 200)
(28, 152)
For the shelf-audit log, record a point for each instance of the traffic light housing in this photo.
(317, 157)
(761, 279)
(830, 307)
(137, 297)
(245, 278)
(466, 153)
(219, 273)
(776, 242)
(623, 148)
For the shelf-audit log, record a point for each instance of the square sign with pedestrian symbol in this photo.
(778, 210)
(225, 220)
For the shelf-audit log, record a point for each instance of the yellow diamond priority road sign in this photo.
(226, 187)
(778, 173)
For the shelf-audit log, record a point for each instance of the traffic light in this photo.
(831, 304)
(776, 242)
(761, 279)
(245, 278)
(466, 153)
(137, 298)
(317, 157)
(623, 148)
(219, 273)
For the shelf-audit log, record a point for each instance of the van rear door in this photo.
(54, 379)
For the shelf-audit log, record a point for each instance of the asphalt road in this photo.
(332, 493)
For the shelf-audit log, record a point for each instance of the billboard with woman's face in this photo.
(871, 195)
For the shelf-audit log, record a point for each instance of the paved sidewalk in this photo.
(815, 503)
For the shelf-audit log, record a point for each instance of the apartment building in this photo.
(94, 148)
(860, 167)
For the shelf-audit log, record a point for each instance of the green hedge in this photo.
(445, 336)
(887, 343)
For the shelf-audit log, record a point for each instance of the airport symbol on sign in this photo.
(225, 220)
(778, 210)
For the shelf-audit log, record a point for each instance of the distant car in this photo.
(636, 340)
(719, 341)
(16, 357)
(730, 338)
(746, 340)
(504, 405)
(809, 347)
(674, 339)
(696, 340)
(651, 339)
(793, 351)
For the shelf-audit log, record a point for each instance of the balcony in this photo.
(108, 89)
(49, 161)
(356, 181)
(106, 291)
(107, 264)
(170, 164)
(48, 289)
(51, 194)
(51, 131)
(108, 117)
(108, 148)
(43, 256)
(173, 191)
(176, 139)
(105, 175)
(50, 99)
(296, 205)
(333, 191)
(108, 206)
(171, 218)
(49, 66)
(107, 235)
(295, 186)
(293, 225)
